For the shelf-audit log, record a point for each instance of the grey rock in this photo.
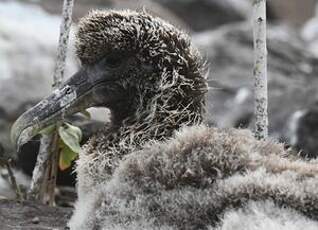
(304, 131)
(206, 14)
(292, 75)
(293, 12)
(82, 7)
(309, 33)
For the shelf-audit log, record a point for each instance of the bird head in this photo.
(140, 67)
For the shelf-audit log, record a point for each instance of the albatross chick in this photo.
(155, 166)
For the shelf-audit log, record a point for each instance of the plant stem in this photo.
(14, 181)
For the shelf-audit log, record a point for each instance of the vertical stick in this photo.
(63, 42)
(260, 69)
(4, 161)
(47, 165)
(39, 172)
(52, 174)
(14, 181)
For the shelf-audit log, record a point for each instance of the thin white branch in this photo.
(260, 69)
(63, 42)
(48, 143)
(42, 163)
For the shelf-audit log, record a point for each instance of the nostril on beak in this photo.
(68, 90)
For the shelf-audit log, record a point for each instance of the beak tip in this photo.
(14, 139)
(19, 134)
(17, 143)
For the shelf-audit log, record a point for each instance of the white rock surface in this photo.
(310, 33)
(28, 40)
(292, 75)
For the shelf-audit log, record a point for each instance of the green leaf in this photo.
(71, 136)
(67, 156)
(86, 114)
(48, 130)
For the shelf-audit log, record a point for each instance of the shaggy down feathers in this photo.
(205, 178)
(145, 174)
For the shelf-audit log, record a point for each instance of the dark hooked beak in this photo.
(78, 93)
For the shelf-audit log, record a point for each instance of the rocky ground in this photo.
(222, 31)
(32, 216)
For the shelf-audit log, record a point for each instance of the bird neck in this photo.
(151, 114)
(154, 117)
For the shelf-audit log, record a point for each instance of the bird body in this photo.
(204, 178)
(156, 165)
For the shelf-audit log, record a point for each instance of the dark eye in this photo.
(113, 61)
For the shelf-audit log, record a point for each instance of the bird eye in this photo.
(113, 61)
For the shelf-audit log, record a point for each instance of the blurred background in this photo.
(221, 29)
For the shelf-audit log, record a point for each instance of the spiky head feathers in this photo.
(150, 38)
